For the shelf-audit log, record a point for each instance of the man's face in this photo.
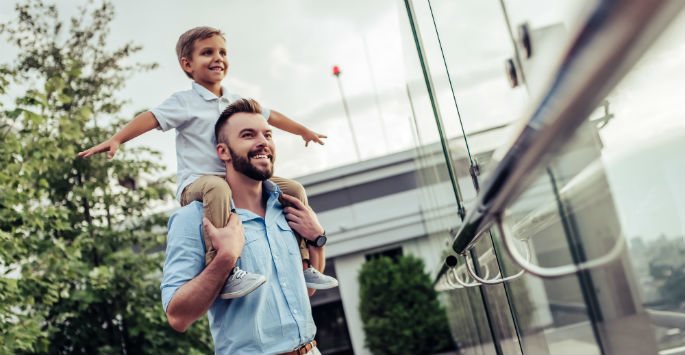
(251, 148)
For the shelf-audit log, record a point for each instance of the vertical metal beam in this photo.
(446, 151)
(436, 111)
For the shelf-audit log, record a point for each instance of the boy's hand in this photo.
(110, 146)
(302, 218)
(311, 136)
(228, 240)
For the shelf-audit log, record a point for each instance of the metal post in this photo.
(336, 72)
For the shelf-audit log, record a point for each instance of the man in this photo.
(276, 318)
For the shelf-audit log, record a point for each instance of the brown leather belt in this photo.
(302, 349)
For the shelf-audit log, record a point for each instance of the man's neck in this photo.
(247, 192)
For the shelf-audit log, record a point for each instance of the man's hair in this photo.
(186, 42)
(241, 105)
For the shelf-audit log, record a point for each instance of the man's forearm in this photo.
(192, 300)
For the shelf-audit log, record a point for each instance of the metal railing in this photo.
(610, 41)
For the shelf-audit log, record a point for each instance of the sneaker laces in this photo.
(238, 273)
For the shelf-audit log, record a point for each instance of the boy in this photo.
(202, 55)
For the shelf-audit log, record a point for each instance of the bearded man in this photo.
(276, 318)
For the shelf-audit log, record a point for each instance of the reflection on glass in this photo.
(620, 177)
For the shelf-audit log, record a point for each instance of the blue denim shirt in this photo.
(273, 319)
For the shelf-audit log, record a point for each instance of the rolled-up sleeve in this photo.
(185, 251)
(171, 113)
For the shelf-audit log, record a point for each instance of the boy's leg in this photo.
(313, 277)
(295, 189)
(215, 195)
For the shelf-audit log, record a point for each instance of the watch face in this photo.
(320, 241)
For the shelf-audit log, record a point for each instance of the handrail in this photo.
(560, 271)
(498, 279)
(610, 41)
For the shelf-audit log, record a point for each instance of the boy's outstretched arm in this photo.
(280, 121)
(142, 123)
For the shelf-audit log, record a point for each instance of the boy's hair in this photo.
(186, 42)
(242, 105)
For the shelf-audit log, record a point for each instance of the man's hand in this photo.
(110, 146)
(302, 218)
(229, 240)
(311, 136)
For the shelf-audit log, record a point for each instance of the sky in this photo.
(282, 53)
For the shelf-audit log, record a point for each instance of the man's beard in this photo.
(243, 165)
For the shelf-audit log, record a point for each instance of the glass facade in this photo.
(614, 189)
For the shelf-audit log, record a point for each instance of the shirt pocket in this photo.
(288, 234)
(255, 249)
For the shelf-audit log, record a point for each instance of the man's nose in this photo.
(262, 140)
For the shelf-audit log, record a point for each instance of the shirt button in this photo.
(295, 311)
(283, 284)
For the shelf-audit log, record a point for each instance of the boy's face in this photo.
(209, 62)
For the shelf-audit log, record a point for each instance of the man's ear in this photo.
(222, 152)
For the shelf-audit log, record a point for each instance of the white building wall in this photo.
(347, 268)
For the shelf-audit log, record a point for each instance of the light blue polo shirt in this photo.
(273, 319)
(193, 113)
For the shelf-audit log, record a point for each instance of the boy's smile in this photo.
(209, 62)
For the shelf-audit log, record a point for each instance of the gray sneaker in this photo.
(318, 281)
(240, 283)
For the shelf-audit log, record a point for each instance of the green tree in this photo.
(400, 309)
(79, 243)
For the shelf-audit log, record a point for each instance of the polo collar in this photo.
(206, 94)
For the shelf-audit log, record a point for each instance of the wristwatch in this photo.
(318, 241)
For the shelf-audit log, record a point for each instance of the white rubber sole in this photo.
(323, 286)
(245, 291)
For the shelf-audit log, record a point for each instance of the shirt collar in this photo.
(271, 192)
(206, 94)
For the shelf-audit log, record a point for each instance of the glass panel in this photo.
(619, 178)
(437, 194)
(475, 46)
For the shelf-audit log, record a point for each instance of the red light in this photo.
(336, 70)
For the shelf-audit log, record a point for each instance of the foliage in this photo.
(79, 245)
(400, 311)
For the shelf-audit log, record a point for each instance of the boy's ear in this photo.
(186, 65)
(222, 152)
